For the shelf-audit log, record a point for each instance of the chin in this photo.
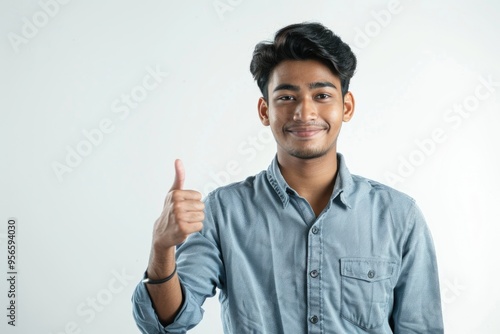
(307, 154)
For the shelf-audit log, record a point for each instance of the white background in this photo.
(419, 62)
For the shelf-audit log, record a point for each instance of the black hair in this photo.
(303, 41)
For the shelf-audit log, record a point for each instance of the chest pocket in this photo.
(366, 288)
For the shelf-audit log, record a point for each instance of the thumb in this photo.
(179, 175)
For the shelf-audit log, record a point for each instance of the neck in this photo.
(312, 179)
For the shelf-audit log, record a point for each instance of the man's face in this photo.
(305, 109)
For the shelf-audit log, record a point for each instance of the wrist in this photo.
(149, 280)
(161, 262)
(160, 250)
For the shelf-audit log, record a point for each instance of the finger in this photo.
(189, 228)
(179, 175)
(181, 195)
(192, 206)
(190, 217)
(186, 208)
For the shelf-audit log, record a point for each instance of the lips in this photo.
(305, 131)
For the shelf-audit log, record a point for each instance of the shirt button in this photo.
(314, 319)
(314, 273)
(315, 230)
(371, 274)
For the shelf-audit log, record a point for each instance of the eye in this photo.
(286, 98)
(322, 96)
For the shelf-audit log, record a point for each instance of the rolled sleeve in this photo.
(145, 316)
(417, 301)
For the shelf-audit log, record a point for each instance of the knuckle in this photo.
(176, 194)
(183, 229)
(181, 217)
(177, 207)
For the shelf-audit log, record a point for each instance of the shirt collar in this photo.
(342, 188)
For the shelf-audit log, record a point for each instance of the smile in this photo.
(305, 132)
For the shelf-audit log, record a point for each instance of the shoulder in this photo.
(376, 187)
(238, 189)
(388, 203)
(381, 194)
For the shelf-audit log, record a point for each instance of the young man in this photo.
(303, 247)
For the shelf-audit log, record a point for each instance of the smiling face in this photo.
(305, 109)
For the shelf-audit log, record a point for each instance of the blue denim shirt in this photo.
(366, 264)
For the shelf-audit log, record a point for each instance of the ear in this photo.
(348, 107)
(263, 111)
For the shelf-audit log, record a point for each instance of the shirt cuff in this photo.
(147, 320)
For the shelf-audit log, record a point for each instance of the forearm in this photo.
(166, 297)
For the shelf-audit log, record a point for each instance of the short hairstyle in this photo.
(303, 41)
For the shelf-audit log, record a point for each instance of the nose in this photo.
(305, 111)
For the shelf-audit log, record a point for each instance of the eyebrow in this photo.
(321, 84)
(312, 85)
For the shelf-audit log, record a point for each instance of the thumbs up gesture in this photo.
(182, 213)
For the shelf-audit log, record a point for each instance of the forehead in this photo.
(302, 72)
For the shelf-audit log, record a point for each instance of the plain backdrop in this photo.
(98, 98)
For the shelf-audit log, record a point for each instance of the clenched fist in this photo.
(182, 213)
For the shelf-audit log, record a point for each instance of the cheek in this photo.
(277, 121)
(276, 124)
(274, 118)
(280, 114)
(335, 115)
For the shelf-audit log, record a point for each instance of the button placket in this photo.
(314, 260)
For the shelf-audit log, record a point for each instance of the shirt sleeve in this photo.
(200, 270)
(147, 320)
(417, 301)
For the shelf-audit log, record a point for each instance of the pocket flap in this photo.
(367, 269)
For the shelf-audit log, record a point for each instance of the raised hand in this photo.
(182, 213)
